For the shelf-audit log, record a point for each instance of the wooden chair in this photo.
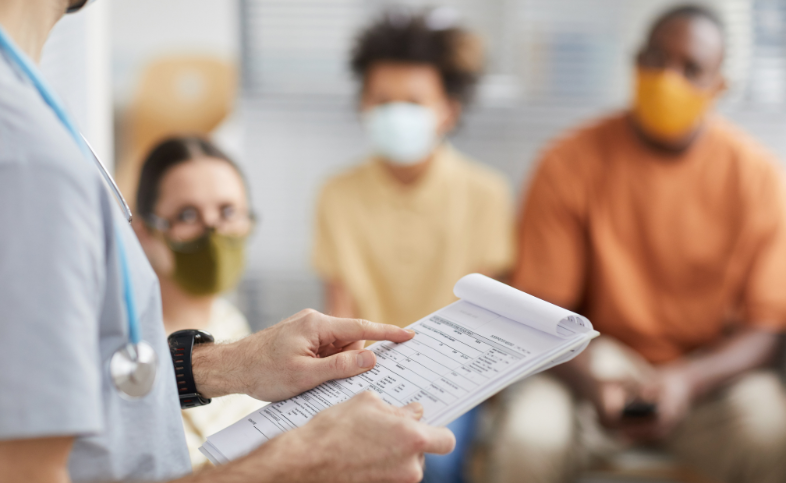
(176, 95)
(642, 465)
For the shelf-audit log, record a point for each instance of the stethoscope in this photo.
(133, 367)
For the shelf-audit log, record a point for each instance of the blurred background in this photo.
(269, 80)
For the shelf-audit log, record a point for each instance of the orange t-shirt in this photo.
(662, 252)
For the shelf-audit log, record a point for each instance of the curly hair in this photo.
(689, 11)
(420, 38)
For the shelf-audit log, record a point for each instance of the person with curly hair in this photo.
(396, 232)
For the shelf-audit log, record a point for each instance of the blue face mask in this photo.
(402, 132)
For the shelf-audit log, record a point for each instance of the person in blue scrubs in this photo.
(77, 295)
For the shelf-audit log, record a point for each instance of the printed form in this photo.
(460, 356)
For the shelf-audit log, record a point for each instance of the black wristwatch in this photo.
(181, 345)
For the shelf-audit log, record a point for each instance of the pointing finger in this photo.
(339, 366)
(351, 330)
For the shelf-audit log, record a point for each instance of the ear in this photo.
(721, 87)
(451, 116)
(638, 59)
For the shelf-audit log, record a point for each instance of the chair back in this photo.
(176, 95)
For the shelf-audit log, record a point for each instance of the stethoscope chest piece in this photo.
(133, 369)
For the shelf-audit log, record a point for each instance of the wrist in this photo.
(213, 374)
(266, 464)
(284, 459)
(688, 377)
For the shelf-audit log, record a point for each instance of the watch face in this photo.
(202, 336)
(182, 338)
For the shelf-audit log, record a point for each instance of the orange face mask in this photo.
(667, 106)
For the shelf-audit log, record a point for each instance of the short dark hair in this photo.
(691, 11)
(400, 36)
(166, 155)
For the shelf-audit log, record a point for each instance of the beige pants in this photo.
(542, 435)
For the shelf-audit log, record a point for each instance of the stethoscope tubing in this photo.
(31, 71)
(109, 180)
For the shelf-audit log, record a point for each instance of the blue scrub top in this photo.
(62, 314)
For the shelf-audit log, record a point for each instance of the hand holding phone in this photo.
(639, 409)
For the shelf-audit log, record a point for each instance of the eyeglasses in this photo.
(189, 224)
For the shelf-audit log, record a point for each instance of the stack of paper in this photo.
(461, 355)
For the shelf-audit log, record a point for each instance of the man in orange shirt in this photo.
(665, 226)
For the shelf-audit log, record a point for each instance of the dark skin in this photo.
(692, 47)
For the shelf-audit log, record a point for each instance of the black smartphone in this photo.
(639, 410)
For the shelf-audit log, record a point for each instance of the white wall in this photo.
(145, 29)
(76, 63)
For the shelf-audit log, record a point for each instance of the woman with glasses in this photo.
(193, 218)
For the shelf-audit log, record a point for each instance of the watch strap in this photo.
(181, 347)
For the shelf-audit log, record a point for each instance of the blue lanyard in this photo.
(32, 73)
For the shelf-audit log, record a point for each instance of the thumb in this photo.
(342, 365)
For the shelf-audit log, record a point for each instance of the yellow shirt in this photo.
(399, 249)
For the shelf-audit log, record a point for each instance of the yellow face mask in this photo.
(667, 106)
(210, 264)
